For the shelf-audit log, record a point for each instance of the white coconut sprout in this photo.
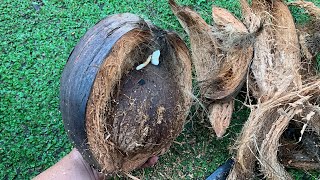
(154, 58)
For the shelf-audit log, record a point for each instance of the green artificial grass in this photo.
(36, 40)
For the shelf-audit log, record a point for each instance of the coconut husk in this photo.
(221, 55)
(270, 165)
(251, 20)
(130, 115)
(275, 70)
(302, 151)
(309, 38)
(203, 44)
(310, 7)
(258, 13)
(276, 58)
(260, 134)
(307, 155)
(204, 52)
(287, 47)
(236, 44)
(220, 116)
(128, 108)
(300, 143)
(216, 50)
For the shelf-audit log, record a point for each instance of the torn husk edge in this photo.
(260, 122)
(310, 7)
(221, 55)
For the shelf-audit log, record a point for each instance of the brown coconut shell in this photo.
(221, 62)
(118, 116)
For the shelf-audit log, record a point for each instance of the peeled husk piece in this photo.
(304, 154)
(275, 70)
(220, 116)
(300, 143)
(310, 7)
(307, 157)
(227, 25)
(276, 62)
(270, 165)
(235, 43)
(221, 55)
(130, 115)
(203, 45)
(309, 38)
(260, 135)
(216, 50)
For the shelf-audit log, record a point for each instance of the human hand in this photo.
(73, 166)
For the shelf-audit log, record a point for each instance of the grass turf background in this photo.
(36, 39)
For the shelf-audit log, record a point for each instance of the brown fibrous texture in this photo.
(309, 38)
(220, 116)
(276, 81)
(260, 136)
(221, 54)
(133, 115)
(310, 7)
(300, 143)
(276, 62)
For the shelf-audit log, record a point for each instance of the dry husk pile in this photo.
(118, 116)
(283, 127)
(221, 55)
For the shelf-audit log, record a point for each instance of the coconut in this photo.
(221, 54)
(118, 114)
